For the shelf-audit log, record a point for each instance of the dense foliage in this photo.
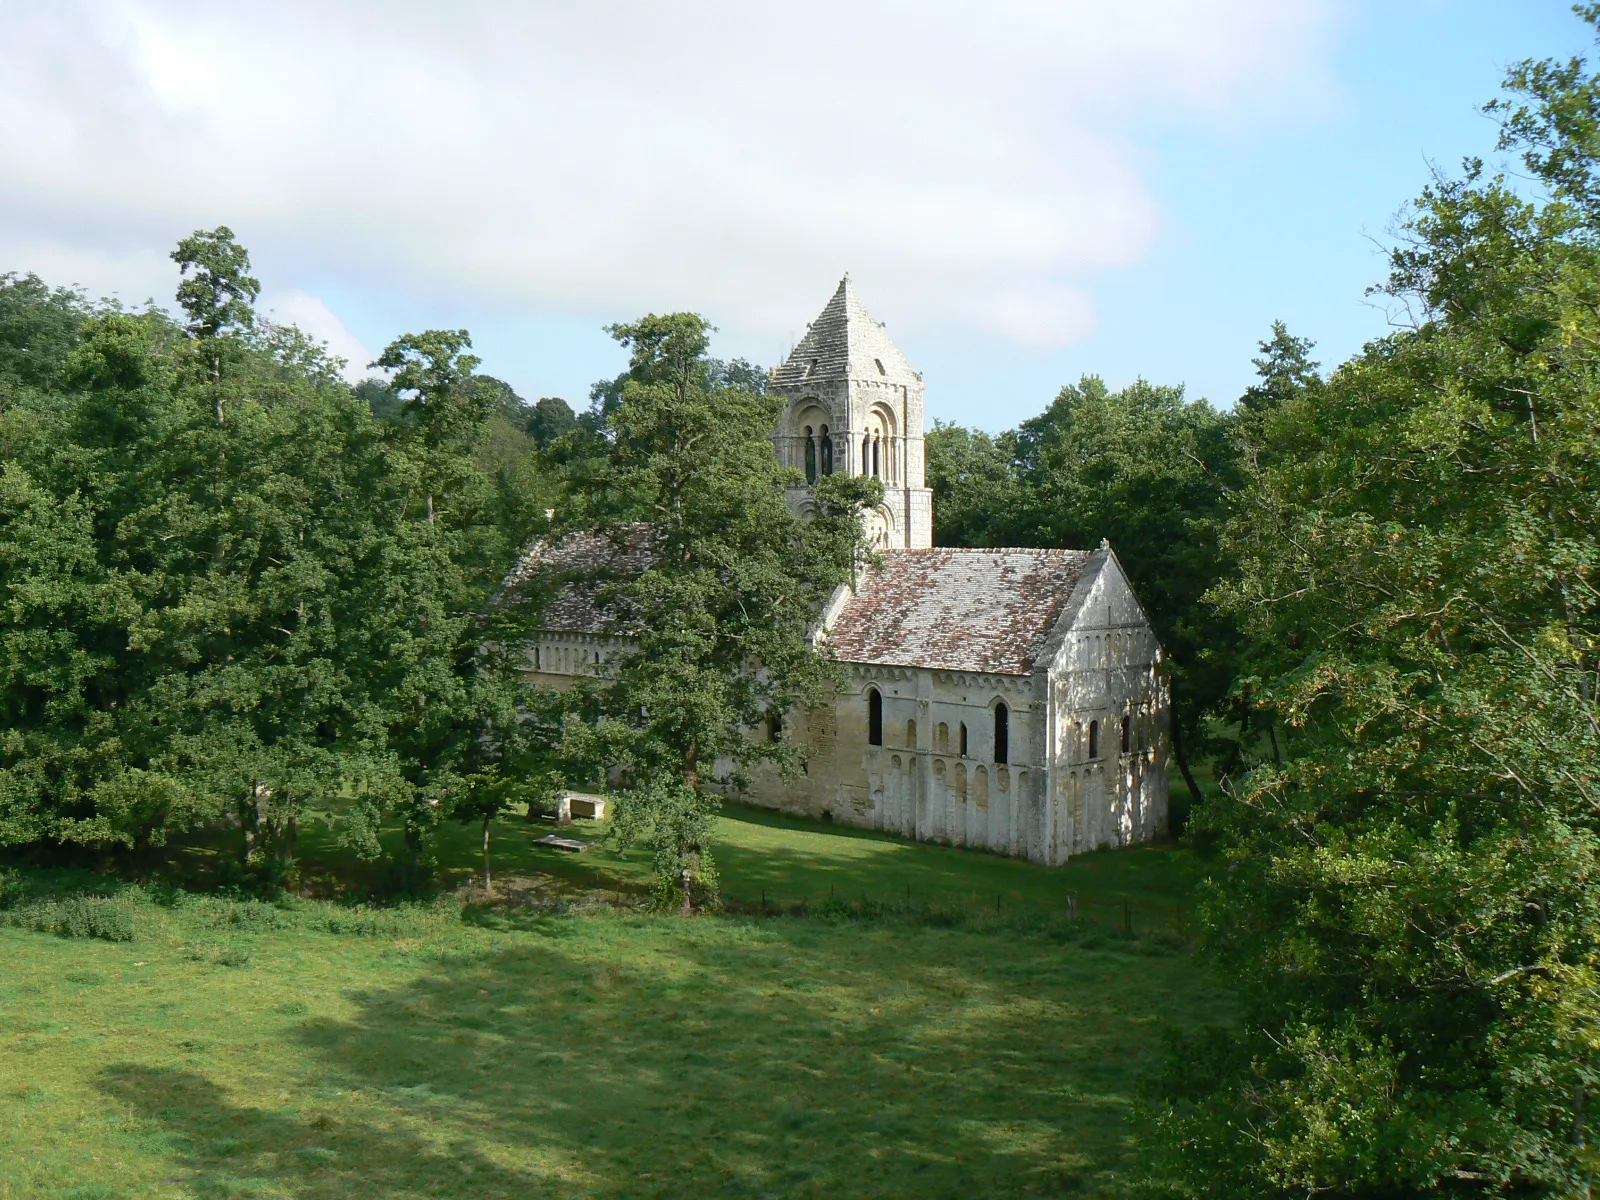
(1380, 586)
(1409, 899)
(228, 590)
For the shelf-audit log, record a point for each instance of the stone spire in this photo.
(845, 342)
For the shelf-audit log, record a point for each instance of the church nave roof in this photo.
(957, 610)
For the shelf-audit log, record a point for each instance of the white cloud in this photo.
(314, 318)
(969, 162)
(103, 269)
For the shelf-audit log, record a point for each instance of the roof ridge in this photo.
(989, 550)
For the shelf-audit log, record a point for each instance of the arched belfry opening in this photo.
(855, 404)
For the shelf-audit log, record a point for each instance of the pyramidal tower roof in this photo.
(845, 342)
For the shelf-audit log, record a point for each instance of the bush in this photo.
(406, 920)
(101, 917)
(249, 916)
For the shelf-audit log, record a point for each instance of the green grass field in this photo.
(553, 1042)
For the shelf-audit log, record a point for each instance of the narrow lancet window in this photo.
(1094, 739)
(1002, 733)
(811, 456)
(1127, 735)
(963, 734)
(827, 452)
(874, 717)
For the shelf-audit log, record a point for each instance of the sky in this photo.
(1025, 192)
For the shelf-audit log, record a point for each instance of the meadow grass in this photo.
(545, 1042)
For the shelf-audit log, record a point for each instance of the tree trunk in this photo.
(486, 880)
(691, 776)
(1183, 759)
(250, 822)
(691, 766)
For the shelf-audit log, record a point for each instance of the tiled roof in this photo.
(575, 570)
(957, 610)
(845, 342)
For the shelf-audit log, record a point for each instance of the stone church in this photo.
(1009, 699)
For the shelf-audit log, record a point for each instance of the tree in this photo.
(431, 372)
(1285, 369)
(975, 485)
(220, 294)
(473, 516)
(739, 375)
(186, 569)
(510, 760)
(551, 418)
(1407, 900)
(721, 618)
(39, 329)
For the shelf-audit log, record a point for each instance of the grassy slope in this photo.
(608, 1053)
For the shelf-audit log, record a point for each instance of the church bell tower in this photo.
(854, 405)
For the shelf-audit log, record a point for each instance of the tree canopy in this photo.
(228, 588)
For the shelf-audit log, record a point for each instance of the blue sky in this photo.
(1024, 190)
(1285, 220)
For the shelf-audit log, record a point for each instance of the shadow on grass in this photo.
(784, 1062)
(239, 1151)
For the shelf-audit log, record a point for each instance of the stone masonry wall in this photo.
(1107, 671)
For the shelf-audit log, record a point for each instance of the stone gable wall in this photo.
(1107, 670)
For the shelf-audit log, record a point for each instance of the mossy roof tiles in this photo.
(989, 611)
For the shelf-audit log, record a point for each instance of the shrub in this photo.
(101, 917)
(251, 916)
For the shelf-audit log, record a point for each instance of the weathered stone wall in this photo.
(1104, 790)
(919, 784)
(557, 658)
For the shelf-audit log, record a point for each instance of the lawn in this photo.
(971, 1041)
